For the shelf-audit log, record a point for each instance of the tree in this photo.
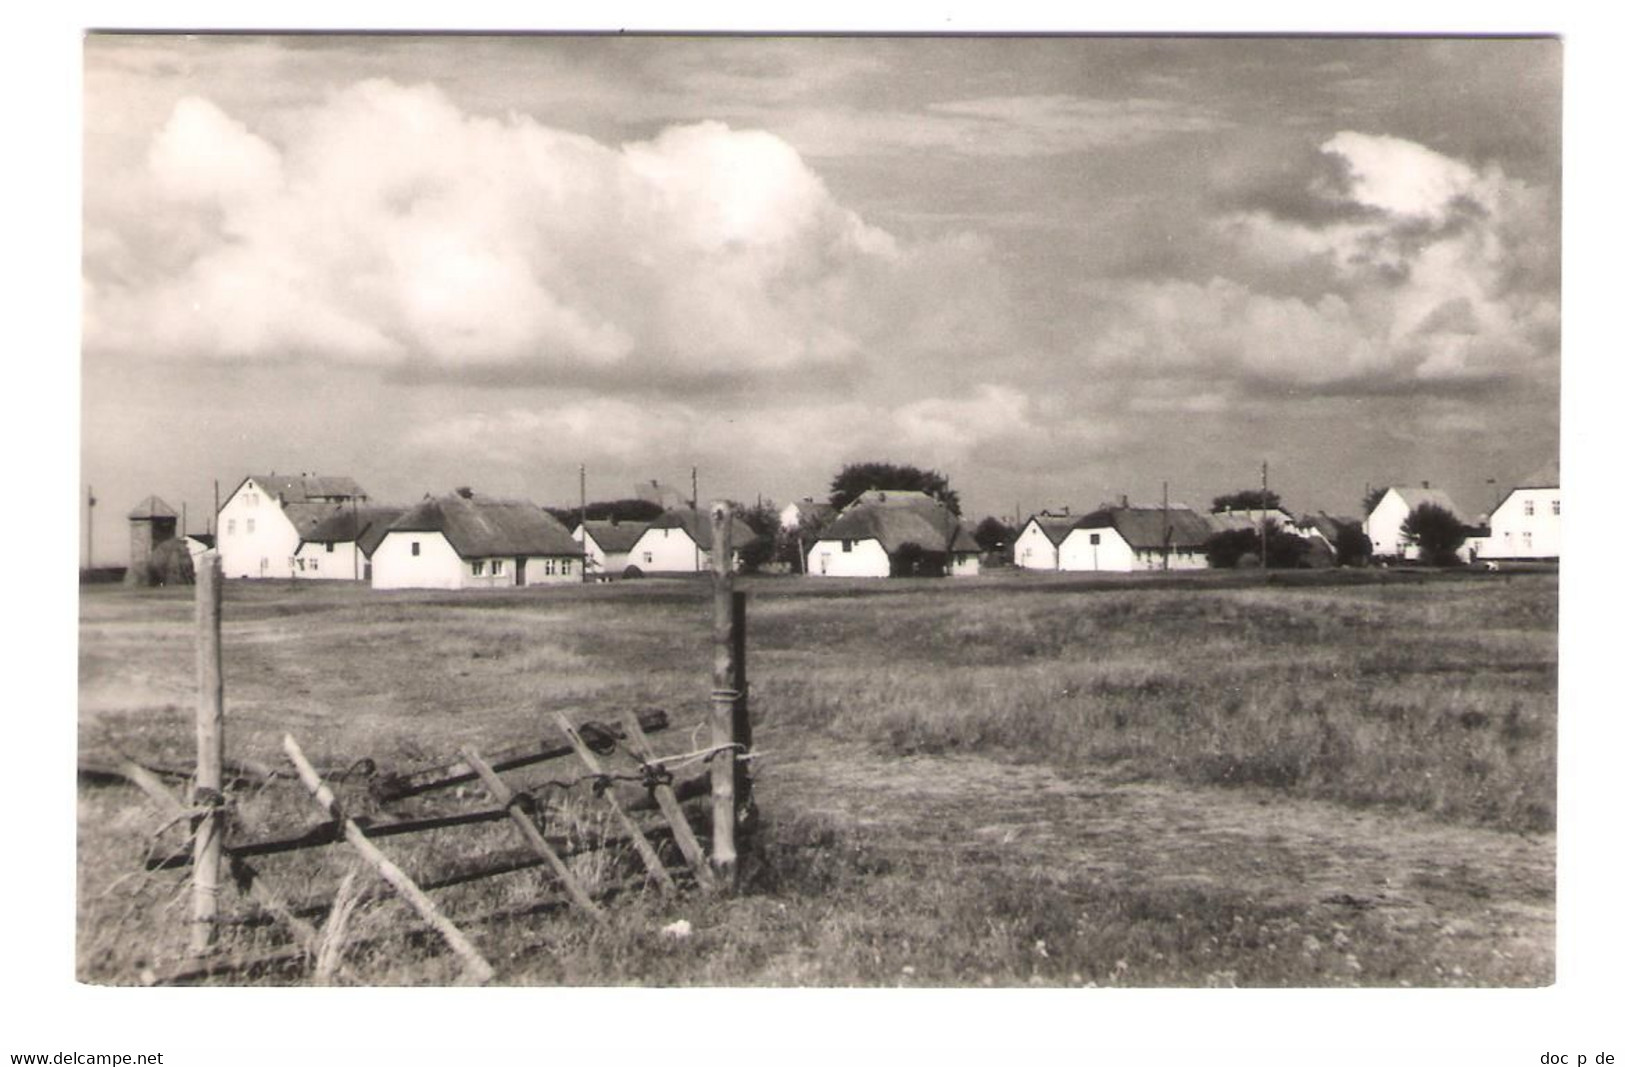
(1229, 548)
(1353, 546)
(856, 478)
(913, 561)
(763, 520)
(1437, 533)
(1247, 500)
(992, 535)
(629, 510)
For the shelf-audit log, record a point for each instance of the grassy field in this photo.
(1209, 780)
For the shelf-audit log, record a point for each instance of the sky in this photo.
(1059, 270)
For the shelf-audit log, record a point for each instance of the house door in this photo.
(519, 571)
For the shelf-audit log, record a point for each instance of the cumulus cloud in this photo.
(388, 227)
(1418, 262)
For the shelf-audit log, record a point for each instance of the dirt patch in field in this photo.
(1486, 896)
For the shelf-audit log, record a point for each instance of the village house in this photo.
(263, 521)
(805, 511)
(1128, 538)
(607, 544)
(679, 542)
(1385, 524)
(1038, 545)
(338, 547)
(886, 532)
(1527, 524)
(465, 541)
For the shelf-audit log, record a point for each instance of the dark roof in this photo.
(1054, 527)
(895, 519)
(204, 539)
(615, 536)
(478, 526)
(345, 523)
(1547, 477)
(1142, 527)
(299, 488)
(153, 508)
(697, 525)
(1328, 526)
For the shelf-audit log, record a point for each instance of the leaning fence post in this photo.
(724, 696)
(206, 793)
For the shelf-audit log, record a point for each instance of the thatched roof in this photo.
(152, 508)
(1142, 527)
(896, 518)
(615, 536)
(478, 527)
(1224, 521)
(697, 524)
(1054, 527)
(343, 523)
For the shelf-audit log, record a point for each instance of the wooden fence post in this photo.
(724, 697)
(477, 969)
(206, 793)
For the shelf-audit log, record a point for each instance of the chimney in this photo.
(1123, 500)
(1425, 484)
(465, 492)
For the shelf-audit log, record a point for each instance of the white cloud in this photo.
(387, 226)
(1420, 275)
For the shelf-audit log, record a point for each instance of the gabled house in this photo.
(607, 544)
(1323, 531)
(1385, 524)
(679, 542)
(465, 541)
(263, 521)
(338, 546)
(886, 532)
(805, 511)
(1038, 545)
(1248, 519)
(1528, 522)
(1128, 538)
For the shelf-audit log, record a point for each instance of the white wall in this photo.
(1034, 550)
(1382, 526)
(848, 559)
(965, 565)
(313, 560)
(436, 566)
(254, 537)
(599, 562)
(1527, 525)
(1111, 554)
(666, 551)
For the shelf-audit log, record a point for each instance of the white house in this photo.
(794, 516)
(679, 542)
(464, 541)
(1037, 547)
(1528, 522)
(262, 522)
(607, 544)
(869, 538)
(1127, 538)
(340, 546)
(1384, 525)
(1248, 519)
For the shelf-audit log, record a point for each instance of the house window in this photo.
(846, 546)
(415, 548)
(648, 557)
(315, 564)
(330, 546)
(1094, 539)
(250, 525)
(496, 568)
(1528, 539)
(478, 567)
(1556, 507)
(550, 567)
(1528, 507)
(231, 526)
(564, 567)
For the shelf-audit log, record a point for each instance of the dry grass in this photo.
(1431, 701)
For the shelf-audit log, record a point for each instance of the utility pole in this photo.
(583, 522)
(355, 542)
(694, 505)
(183, 520)
(1167, 532)
(90, 527)
(214, 520)
(1264, 523)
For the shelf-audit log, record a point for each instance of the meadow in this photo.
(1346, 779)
